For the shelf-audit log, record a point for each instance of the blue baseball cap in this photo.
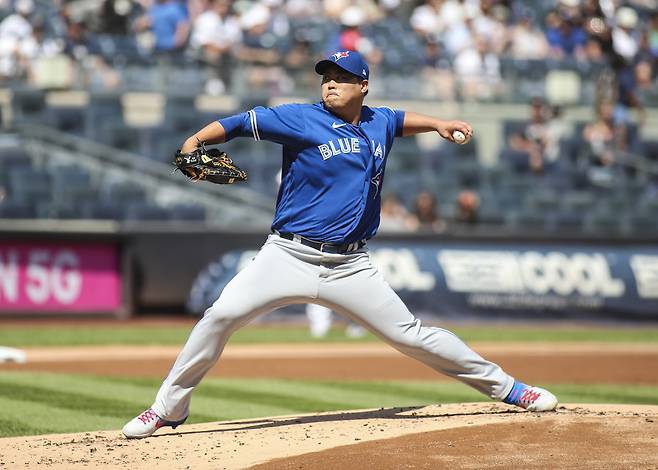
(350, 61)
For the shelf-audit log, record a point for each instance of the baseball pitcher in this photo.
(334, 157)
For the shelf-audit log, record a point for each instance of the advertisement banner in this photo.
(523, 280)
(54, 277)
(530, 280)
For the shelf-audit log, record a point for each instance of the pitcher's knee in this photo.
(223, 313)
(408, 335)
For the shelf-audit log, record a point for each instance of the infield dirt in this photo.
(578, 363)
(465, 436)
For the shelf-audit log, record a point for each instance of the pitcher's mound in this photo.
(467, 436)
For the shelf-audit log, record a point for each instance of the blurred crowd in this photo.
(458, 46)
(425, 215)
(451, 49)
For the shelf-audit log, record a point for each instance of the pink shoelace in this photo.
(147, 416)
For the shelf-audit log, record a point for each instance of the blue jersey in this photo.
(333, 171)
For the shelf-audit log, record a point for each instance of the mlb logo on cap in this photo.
(350, 61)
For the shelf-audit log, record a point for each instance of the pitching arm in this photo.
(416, 123)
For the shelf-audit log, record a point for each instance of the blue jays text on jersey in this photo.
(333, 171)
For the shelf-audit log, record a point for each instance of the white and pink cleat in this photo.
(146, 424)
(531, 398)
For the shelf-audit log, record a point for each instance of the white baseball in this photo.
(459, 137)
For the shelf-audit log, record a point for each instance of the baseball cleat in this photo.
(146, 424)
(531, 398)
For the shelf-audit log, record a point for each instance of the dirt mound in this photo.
(473, 435)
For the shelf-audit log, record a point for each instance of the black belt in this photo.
(322, 246)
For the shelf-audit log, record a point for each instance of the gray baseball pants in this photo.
(286, 272)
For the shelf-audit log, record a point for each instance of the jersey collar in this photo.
(321, 103)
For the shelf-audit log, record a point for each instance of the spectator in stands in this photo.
(594, 51)
(351, 36)
(18, 25)
(468, 206)
(625, 35)
(304, 9)
(646, 81)
(526, 42)
(261, 50)
(14, 30)
(78, 44)
(299, 60)
(545, 130)
(116, 16)
(652, 34)
(438, 78)
(536, 148)
(394, 216)
(85, 52)
(477, 70)
(565, 35)
(458, 32)
(425, 216)
(490, 23)
(38, 48)
(216, 33)
(426, 20)
(168, 21)
(606, 140)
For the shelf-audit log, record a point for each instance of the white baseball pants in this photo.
(286, 272)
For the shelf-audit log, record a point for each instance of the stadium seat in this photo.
(29, 185)
(101, 210)
(123, 192)
(643, 223)
(66, 118)
(543, 201)
(120, 136)
(650, 148)
(468, 173)
(525, 219)
(10, 209)
(56, 210)
(145, 212)
(72, 184)
(566, 221)
(104, 109)
(28, 104)
(515, 160)
(119, 50)
(513, 126)
(179, 112)
(491, 215)
(187, 213)
(603, 222)
(14, 159)
(577, 201)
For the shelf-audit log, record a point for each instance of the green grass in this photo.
(40, 403)
(71, 335)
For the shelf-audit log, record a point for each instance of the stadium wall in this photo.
(92, 268)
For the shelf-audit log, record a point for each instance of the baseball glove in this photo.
(210, 165)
